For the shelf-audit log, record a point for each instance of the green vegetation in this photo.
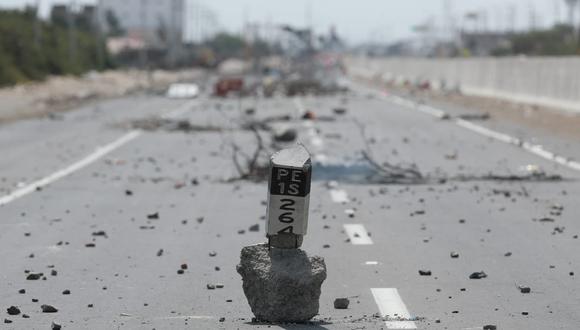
(226, 45)
(31, 50)
(557, 41)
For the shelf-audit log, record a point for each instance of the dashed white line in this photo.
(391, 306)
(357, 234)
(315, 139)
(97, 154)
(339, 196)
(300, 110)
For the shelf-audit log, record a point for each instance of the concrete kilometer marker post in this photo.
(288, 197)
(282, 282)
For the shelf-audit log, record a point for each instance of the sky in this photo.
(370, 20)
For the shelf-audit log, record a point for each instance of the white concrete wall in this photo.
(549, 81)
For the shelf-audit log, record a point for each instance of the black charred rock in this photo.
(341, 303)
(34, 276)
(153, 216)
(254, 228)
(525, 289)
(48, 309)
(477, 275)
(13, 310)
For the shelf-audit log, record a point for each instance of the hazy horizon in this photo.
(365, 20)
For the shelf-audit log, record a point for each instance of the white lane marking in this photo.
(392, 306)
(300, 110)
(179, 111)
(371, 263)
(185, 317)
(431, 111)
(317, 142)
(339, 196)
(357, 234)
(535, 149)
(487, 132)
(98, 153)
(315, 139)
(349, 212)
(321, 158)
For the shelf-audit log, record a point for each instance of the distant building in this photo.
(154, 21)
(83, 18)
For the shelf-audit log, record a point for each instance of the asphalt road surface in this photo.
(112, 213)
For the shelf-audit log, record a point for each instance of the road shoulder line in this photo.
(87, 160)
(534, 149)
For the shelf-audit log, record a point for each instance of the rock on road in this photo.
(148, 235)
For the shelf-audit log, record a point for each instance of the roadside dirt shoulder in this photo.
(64, 93)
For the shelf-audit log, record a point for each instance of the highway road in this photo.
(128, 226)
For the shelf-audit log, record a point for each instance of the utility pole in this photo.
(557, 19)
(308, 15)
(174, 11)
(97, 21)
(571, 11)
(448, 26)
(72, 42)
(37, 26)
(513, 15)
(143, 56)
(533, 18)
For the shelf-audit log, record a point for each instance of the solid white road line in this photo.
(392, 307)
(535, 149)
(487, 132)
(357, 234)
(100, 152)
(97, 154)
(431, 111)
(339, 196)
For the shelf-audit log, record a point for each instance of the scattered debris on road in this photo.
(477, 275)
(48, 309)
(13, 310)
(341, 303)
